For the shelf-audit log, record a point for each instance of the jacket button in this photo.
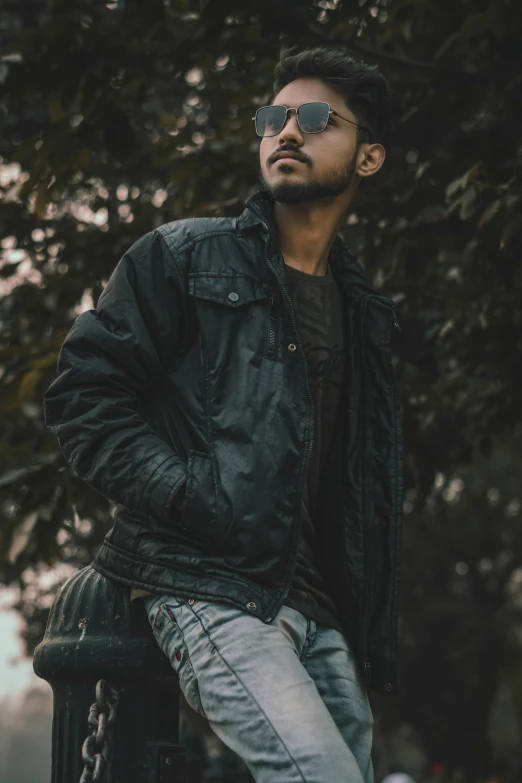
(292, 347)
(388, 686)
(233, 296)
(251, 605)
(191, 601)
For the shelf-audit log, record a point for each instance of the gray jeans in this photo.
(288, 697)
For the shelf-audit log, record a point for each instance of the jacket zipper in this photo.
(271, 327)
(312, 425)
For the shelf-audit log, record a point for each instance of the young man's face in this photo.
(329, 159)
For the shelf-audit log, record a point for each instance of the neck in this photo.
(306, 233)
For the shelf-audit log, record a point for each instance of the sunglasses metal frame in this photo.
(289, 108)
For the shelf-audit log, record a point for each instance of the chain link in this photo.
(95, 750)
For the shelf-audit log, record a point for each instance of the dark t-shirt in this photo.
(319, 317)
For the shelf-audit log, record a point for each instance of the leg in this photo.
(246, 678)
(330, 663)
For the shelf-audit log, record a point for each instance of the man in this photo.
(233, 393)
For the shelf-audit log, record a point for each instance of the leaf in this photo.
(29, 385)
(42, 199)
(510, 229)
(489, 212)
(450, 40)
(13, 475)
(470, 175)
(465, 203)
(456, 185)
(49, 360)
(21, 536)
(467, 206)
(31, 181)
(55, 111)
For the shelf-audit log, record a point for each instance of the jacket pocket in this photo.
(199, 509)
(235, 310)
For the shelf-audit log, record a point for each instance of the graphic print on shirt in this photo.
(318, 330)
(325, 363)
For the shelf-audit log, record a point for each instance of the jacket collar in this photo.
(259, 209)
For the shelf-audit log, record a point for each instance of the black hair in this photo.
(362, 86)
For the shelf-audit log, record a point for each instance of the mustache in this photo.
(290, 151)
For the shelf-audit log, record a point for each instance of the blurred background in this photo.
(118, 116)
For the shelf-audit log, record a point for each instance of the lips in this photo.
(291, 156)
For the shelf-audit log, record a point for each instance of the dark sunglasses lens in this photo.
(270, 120)
(313, 117)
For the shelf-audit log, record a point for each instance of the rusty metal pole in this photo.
(94, 633)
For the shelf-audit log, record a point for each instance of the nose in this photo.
(291, 132)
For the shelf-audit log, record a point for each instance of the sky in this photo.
(25, 706)
(16, 670)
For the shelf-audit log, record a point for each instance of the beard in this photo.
(287, 192)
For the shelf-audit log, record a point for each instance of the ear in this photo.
(370, 159)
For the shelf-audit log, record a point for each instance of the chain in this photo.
(95, 750)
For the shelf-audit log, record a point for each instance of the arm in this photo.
(108, 361)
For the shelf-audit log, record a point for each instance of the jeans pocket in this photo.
(152, 604)
(171, 639)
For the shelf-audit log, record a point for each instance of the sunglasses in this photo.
(311, 118)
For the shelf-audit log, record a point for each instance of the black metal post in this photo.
(95, 632)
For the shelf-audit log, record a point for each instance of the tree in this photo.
(120, 116)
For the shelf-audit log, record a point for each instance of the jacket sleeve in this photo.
(109, 360)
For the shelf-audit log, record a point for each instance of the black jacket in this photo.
(191, 370)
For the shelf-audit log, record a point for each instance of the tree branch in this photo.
(393, 58)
